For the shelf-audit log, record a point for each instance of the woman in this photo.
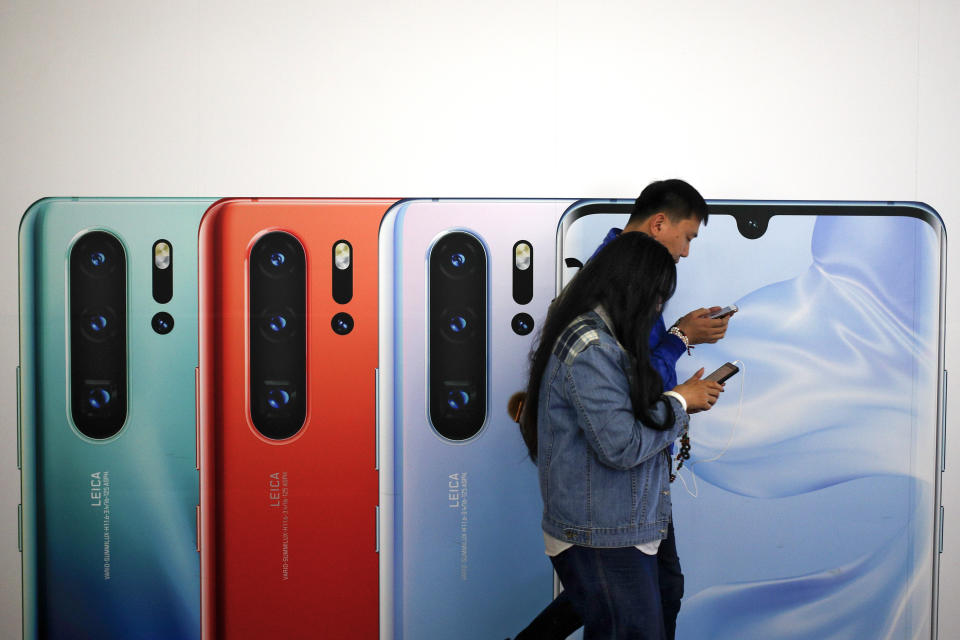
(599, 428)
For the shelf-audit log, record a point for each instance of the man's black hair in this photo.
(676, 198)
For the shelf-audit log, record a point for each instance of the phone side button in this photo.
(19, 420)
(378, 528)
(198, 528)
(941, 528)
(376, 437)
(943, 427)
(20, 528)
(196, 417)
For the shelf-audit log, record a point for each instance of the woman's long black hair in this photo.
(631, 277)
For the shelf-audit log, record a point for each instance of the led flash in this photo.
(341, 255)
(161, 255)
(522, 256)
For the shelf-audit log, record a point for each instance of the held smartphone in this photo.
(287, 451)
(723, 373)
(824, 486)
(464, 286)
(108, 344)
(723, 313)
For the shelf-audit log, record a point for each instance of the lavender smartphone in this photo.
(818, 473)
(463, 285)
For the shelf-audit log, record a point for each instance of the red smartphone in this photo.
(287, 418)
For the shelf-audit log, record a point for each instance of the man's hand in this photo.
(700, 329)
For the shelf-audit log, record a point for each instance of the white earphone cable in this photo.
(726, 447)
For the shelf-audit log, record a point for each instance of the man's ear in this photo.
(656, 223)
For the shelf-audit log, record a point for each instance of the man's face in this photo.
(676, 237)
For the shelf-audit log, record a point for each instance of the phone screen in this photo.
(819, 518)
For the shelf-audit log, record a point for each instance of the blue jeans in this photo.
(562, 616)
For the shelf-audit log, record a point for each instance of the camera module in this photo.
(162, 323)
(277, 312)
(457, 336)
(342, 323)
(522, 324)
(98, 334)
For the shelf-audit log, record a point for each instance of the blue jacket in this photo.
(665, 349)
(604, 475)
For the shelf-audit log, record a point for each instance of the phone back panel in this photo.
(109, 525)
(463, 551)
(304, 563)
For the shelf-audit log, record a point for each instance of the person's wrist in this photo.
(675, 330)
(673, 393)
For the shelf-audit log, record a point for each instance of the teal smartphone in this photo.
(107, 418)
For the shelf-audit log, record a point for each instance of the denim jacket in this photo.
(604, 475)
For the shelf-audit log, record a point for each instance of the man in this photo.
(671, 212)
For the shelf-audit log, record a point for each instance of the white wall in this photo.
(811, 99)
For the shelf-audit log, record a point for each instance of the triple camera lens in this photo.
(278, 310)
(98, 334)
(457, 336)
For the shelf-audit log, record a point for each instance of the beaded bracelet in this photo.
(677, 331)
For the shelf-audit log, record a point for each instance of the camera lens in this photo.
(342, 323)
(457, 257)
(522, 324)
(458, 399)
(98, 398)
(277, 398)
(98, 324)
(276, 325)
(752, 225)
(162, 323)
(456, 324)
(96, 258)
(274, 262)
(277, 255)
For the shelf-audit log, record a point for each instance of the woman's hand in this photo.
(699, 394)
